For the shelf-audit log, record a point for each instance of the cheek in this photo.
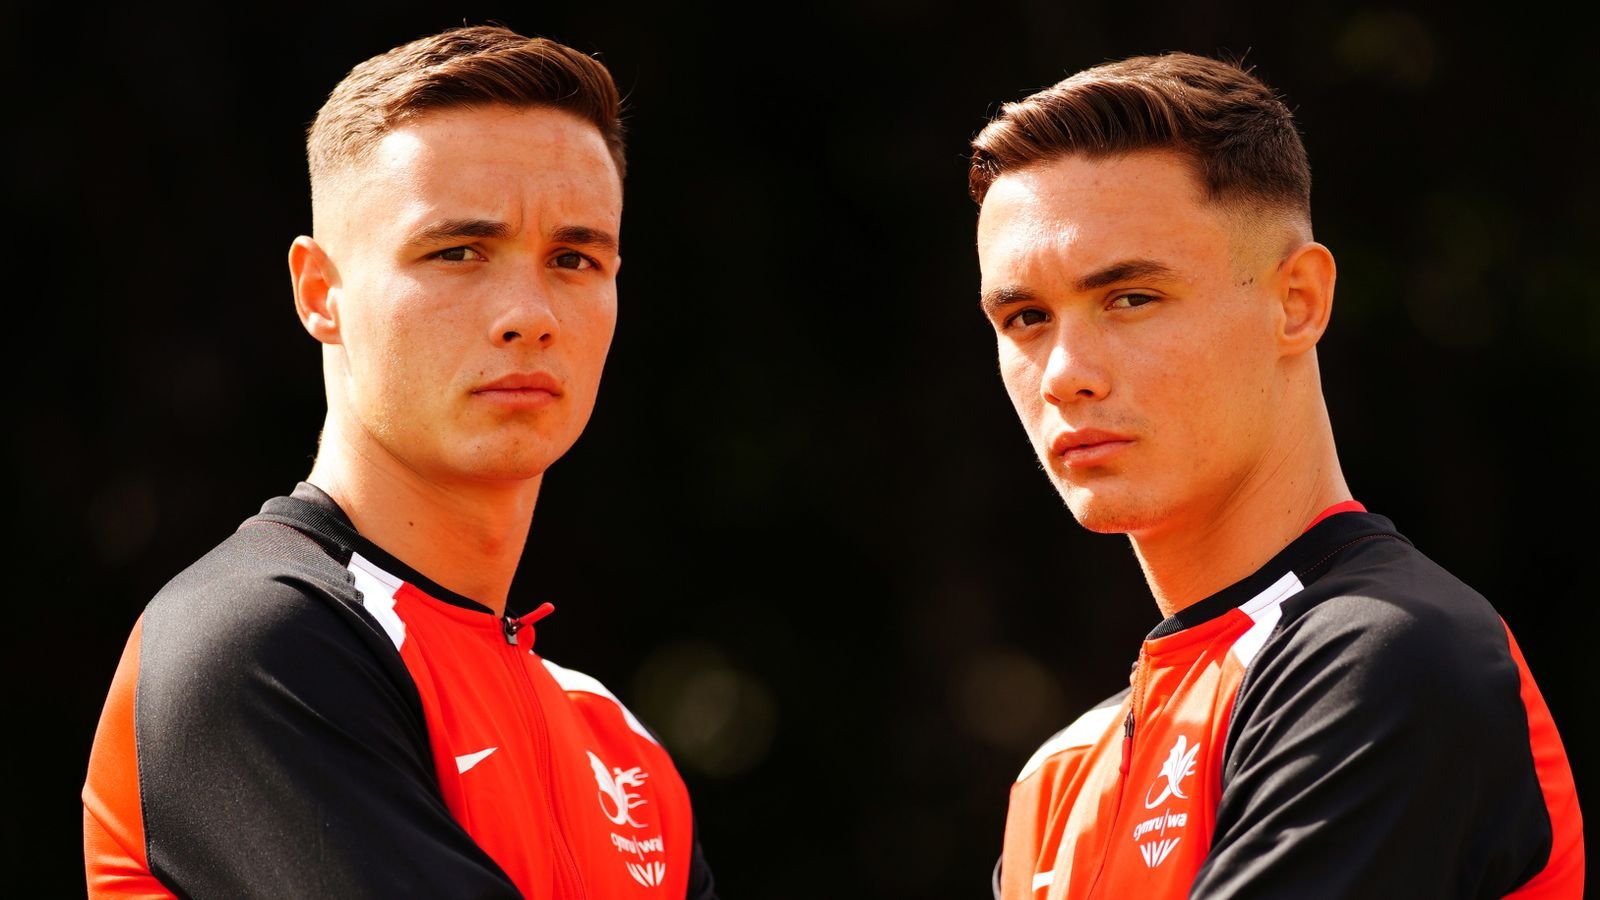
(591, 331)
(1246, 365)
(409, 335)
(1021, 378)
(411, 345)
(1212, 390)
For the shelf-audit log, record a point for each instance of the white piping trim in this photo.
(573, 680)
(377, 589)
(1081, 733)
(1265, 609)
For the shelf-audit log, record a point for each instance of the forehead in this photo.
(491, 158)
(1084, 213)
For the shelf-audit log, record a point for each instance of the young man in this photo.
(336, 701)
(1324, 712)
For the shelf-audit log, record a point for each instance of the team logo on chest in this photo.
(617, 804)
(1168, 785)
(615, 800)
(1179, 765)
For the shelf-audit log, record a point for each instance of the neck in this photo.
(1197, 552)
(465, 535)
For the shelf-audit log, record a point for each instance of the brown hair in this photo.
(1236, 132)
(464, 67)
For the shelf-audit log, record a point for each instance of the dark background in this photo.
(804, 535)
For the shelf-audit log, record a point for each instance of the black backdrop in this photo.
(804, 534)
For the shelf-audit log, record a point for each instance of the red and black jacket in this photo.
(1350, 721)
(299, 714)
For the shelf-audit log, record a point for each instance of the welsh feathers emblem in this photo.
(616, 802)
(1179, 765)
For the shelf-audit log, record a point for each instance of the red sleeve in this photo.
(113, 827)
(1563, 877)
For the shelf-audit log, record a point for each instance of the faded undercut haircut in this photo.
(463, 68)
(1236, 133)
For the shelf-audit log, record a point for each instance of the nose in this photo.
(1073, 372)
(526, 316)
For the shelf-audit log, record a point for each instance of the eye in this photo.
(1024, 318)
(459, 254)
(1131, 300)
(572, 259)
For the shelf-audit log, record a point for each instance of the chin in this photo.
(511, 473)
(1100, 513)
(525, 466)
(1104, 524)
(511, 455)
(501, 467)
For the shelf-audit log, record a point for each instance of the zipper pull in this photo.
(1127, 743)
(511, 626)
(1133, 707)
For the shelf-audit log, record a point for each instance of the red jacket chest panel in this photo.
(1103, 832)
(541, 765)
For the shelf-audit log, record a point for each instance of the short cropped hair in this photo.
(467, 67)
(1235, 131)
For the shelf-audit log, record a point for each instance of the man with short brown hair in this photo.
(1324, 712)
(339, 700)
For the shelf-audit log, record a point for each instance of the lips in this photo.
(520, 391)
(1088, 446)
(523, 381)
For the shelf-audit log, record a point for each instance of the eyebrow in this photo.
(1123, 270)
(451, 229)
(993, 299)
(583, 235)
(455, 229)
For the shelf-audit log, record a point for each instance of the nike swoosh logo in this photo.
(469, 760)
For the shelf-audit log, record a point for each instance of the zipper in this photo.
(1136, 677)
(1127, 742)
(567, 864)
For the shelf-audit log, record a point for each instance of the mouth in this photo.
(1088, 447)
(522, 390)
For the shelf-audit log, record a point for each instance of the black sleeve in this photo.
(283, 753)
(701, 885)
(1377, 751)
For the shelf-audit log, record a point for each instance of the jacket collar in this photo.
(309, 509)
(1306, 556)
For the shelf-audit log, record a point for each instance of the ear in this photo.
(1305, 290)
(316, 289)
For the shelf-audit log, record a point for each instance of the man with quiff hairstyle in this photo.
(1324, 711)
(462, 68)
(342, 699)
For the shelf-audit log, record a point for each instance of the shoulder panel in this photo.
(1083, 731)
(572, 680)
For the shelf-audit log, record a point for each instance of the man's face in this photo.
(1136, 333)
(476, 252)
